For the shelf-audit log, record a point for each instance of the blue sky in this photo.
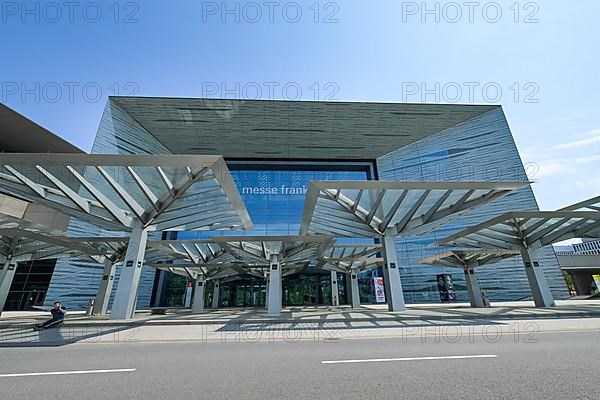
(538, 59)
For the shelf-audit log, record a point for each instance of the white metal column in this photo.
(198, 301)
(335, 300)
(7, 273)
(126, 296)
(274, 286)
(475, 296)
(542, 296)
(354, 285)
(216, 292)
(394, 293)
(105, 288)
(267, 292)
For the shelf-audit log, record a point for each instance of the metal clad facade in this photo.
(479, 149)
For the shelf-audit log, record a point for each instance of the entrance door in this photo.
(311, 290)
(303, 290)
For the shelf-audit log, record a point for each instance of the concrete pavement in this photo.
(345, 314)
(556, 361)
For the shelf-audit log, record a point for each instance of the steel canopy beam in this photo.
(333, 208)
(162, 192)
(529, 229)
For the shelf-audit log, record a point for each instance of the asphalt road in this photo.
(553, 365)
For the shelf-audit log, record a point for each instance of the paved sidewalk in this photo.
(368, 313)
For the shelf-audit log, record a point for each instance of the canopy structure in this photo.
(18, 245)
(261, 250)
(377, 208)
(592, 204)
(157, 254)
(276, 252)
(526, 232)
(525, 229)
(203, 258)
(198, 252)
(463, 258)
(135, 193)
(346, 258)
(350, 259)
(468, 260)
(119, 192)
(24, 245)
(386, 209)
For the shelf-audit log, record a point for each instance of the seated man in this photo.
(58, 316)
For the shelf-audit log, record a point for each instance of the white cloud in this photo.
(588, 159)
(586, 139)
(554, 167)
(590, 183)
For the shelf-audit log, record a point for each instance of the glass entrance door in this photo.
(304, 290)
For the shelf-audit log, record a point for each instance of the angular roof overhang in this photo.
(370, 208)
(164, 192)
(280, 129)
(19, 134)
(526, 229)
(25, 245)
(468, 258)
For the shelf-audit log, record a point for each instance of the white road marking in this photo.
(95, 371)
(409, 359)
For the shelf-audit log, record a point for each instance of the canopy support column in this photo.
(542, 296)
(475, 295)
(335, 301)
(126, 296)
(274, 285)
(7, 273)
(394, 293)
(216, 292)
(355, 291)
(267, 292)
(105, 288)
(198, 300)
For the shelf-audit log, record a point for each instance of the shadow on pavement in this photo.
(23, 335)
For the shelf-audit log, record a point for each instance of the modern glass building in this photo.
(274, 148)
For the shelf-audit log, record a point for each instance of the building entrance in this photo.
(245, 292)
(30, 284)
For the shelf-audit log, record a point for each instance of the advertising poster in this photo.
(446, 287)
(379, 290)
(188, 295)
(597, 282)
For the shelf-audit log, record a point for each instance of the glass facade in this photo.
(274, 195)
(30, 285)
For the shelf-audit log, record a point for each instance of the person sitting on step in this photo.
(58, 316)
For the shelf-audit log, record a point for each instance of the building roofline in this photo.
(491, 106)
(22, 135)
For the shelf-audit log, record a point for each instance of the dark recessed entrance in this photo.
(30, 285)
